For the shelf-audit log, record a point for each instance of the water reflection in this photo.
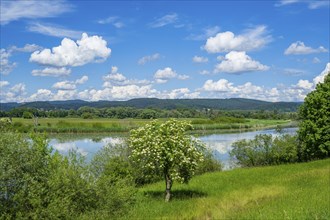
(220, 143)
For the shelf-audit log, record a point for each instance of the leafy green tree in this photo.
(314, 129)
(27, 115)
(166, 150)
(265, 150)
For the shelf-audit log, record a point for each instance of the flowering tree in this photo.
(166, 149)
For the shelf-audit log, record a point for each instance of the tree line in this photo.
(146, 113)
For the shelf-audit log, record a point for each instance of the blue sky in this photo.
(119, 50)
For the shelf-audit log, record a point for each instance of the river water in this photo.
(221, 144)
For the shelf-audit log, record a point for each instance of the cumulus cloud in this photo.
(54, 31)
(114, 77)
(148, 58)
(199, 59)
(117, 79)
(299, 48)
(70, 85)
(16, 10)
(320, 78)
(42, 95)
(52, 71)
(251, 39)
(70, 53)
(165, 20)
(114, 20)
(239, 62)
(64, 85)
(6, 66)
(163, 75)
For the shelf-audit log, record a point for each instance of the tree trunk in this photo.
(168, 182)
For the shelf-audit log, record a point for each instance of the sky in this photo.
(119, 50)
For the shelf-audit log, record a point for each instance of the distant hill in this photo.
(222, 104)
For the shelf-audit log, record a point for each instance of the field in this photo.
(296, 191)
(98, 125)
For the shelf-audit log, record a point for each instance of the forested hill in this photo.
(222, 104)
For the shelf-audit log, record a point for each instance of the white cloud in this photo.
(149, 58)
(207, 32)
(115, 77)
(82, 80)
(42, 95)
(55, 31)
(204, 72)
(316, 60)
(163, 75)
(312, 4)
(318, 4)
(64, 85)
(320, 78)
(16, 10)
(222, 85)
(28, 48)
(294, 72)
(70, 53)
(183, 77)
(199, 59)
(238, 62)
(165, 20)
(299, 47)
(18, 88)
(114, 69)
(114, 20)
(251, 39)
(70, 85)
(180, 93)
(52, 71)
(4, 83)
(166, 73)
(6, 66)
(305, 84)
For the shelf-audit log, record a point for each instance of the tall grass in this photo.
(296, 191)
(78, 125)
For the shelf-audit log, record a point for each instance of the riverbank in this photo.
(104, 125)
(293, 191)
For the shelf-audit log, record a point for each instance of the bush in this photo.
(37, 183)
(265, 150)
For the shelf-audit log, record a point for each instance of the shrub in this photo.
(265, 150)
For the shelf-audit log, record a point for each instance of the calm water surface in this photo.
(88, 145)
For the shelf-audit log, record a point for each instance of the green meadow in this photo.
(294, 191)
(79, 125)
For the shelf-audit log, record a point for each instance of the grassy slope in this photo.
(296, 191)
(78, 125)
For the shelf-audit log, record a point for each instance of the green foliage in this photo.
(209, 164)
(87, 115)
(166, 150)
(265, 150)
(314, 130)
(37, 183)
(115, 184)
(27, 114)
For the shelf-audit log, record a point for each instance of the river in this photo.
(221, 143)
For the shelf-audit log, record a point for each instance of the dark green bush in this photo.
(265, 150)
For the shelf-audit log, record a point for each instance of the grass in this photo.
(98, 125)
(296, 191)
